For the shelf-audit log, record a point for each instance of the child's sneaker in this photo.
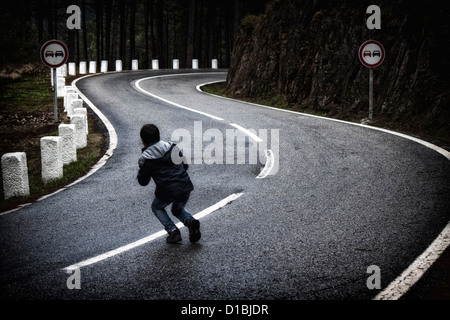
(194, 229)
(174, 236)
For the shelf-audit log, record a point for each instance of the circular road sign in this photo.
(371, 53)
(54, 54)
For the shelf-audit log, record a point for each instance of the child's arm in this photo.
(144, 174)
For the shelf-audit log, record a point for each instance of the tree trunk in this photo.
(83, 27)
(146, 36)
(152, 32)
(190, 35)
(99, 29)
(108, 13)
(160, 31)
(184, 33)
(132, 30)
(123, 32)
(115, 22)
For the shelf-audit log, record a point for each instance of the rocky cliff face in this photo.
(306, 53)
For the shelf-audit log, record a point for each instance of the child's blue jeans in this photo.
(178, 210)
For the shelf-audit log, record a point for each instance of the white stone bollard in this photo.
(155, 64)
(15, 175)
(214, 64)
(61, 83)
(62, 71)
(82, 111)
(118, 65)
(51, 158)
(194, 63)
(104, 66)
(176, 64)
(82, 67)
(72, 69)
(67, 90)
(70, 98)
(68, 141)
(92, 66)
(76, 103)
(80, 130)
(134, 64)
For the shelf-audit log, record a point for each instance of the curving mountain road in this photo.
(339, 198)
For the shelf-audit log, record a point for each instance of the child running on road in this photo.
(173, 185)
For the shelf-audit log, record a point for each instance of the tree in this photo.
(99, 29)
(132, 29)
(190, 34)
(108, 13)
(128, 29)
(85, 32)
(123, 34)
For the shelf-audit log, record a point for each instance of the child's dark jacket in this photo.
(171, 178)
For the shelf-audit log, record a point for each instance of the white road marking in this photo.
(269, 154)
(138, 86)
(247, 132)
(397, 288)
(270, 162)
(151, 237)
(417, 269)
(440, 150)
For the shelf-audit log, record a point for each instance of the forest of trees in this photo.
(126, 30)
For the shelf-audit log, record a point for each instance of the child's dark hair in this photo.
(150, 134)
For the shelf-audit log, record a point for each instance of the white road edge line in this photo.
(111, 132)
(151, 237)
(414, 272)
(440, 150)
(112, 146)
(397, 288)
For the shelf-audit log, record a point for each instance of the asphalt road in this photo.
(343, 198)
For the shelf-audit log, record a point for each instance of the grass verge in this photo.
(26, 115)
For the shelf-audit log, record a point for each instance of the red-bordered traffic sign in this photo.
(371, 53)
(54, 53)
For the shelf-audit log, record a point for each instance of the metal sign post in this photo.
(54, 54)
(55, 98)
(370, 94)
(371, 54)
